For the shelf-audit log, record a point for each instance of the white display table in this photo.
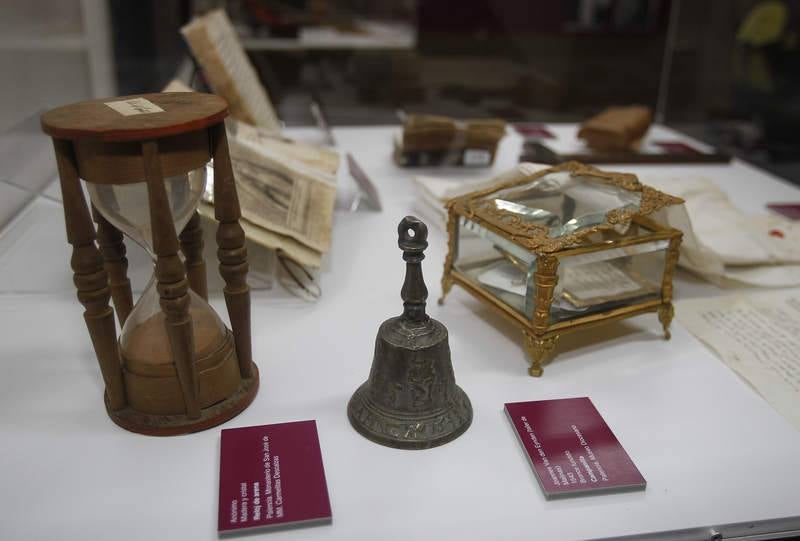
(715, 455)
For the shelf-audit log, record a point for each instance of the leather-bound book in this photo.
(616, 128)
(428, 132)
(439, 140)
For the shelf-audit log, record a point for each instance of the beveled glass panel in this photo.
(127, 206)
(564, 203)
(495, 264)
(588, 281)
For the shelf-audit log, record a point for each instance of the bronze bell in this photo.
(411, 400)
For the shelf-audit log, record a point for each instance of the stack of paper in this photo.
(287, 191)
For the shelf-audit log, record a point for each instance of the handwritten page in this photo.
(582, 285)
(597, 282)
(758, 336)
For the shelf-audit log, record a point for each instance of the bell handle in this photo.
(412, 239)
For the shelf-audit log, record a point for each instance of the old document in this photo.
(602, 281)
(217, 48)
(758, 336)
(284, 196)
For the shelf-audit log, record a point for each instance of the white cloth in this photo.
(725, 245)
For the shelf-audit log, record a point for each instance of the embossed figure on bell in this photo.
(411, 400)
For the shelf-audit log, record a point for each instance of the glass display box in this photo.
(563, 249)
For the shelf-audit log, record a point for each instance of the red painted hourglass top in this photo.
(135, 118)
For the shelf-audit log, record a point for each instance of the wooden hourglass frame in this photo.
(150, 138)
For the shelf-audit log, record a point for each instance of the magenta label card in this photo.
(533, 130)
(790, 210)
(676, 147)
(271, 475)
(571, 448)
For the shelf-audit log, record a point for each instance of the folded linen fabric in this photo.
(725, 245)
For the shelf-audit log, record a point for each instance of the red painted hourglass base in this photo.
(172, 425)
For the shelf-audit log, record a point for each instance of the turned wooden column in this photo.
(231, 251)
(192, 247)
(89, 276)
(112, 247)
(171, 276)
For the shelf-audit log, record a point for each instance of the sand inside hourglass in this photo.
(144, 339)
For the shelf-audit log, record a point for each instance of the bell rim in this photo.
(409, 443)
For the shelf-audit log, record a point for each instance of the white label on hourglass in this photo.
(134, 106)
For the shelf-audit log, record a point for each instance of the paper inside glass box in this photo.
(583, 285)
(601, 282)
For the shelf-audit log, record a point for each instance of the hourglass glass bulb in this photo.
(126, 206)
(144, 342)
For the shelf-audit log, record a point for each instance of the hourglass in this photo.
(176, 367)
